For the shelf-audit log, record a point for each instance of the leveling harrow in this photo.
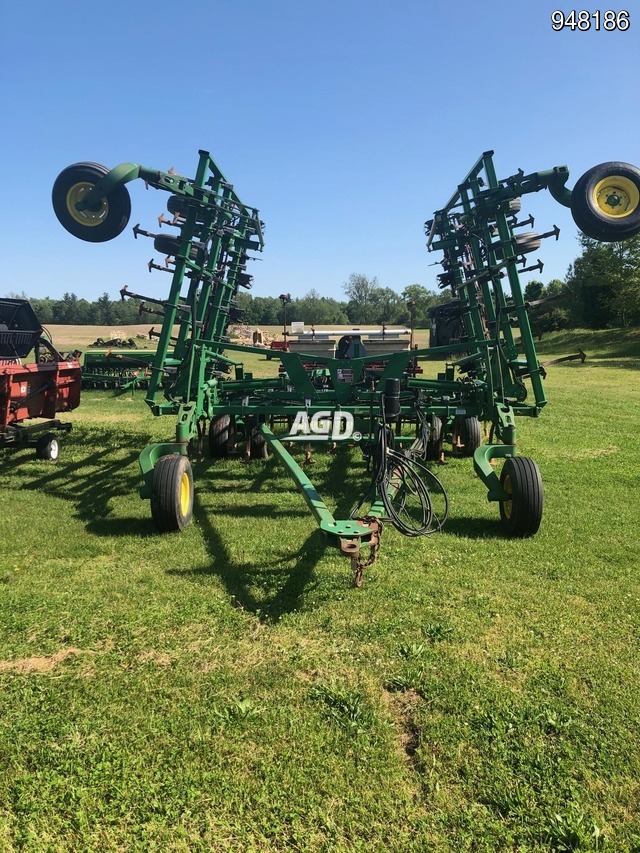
(373, 385)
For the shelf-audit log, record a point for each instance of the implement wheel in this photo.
(258, 446)
(179, 205)
(466, 437)
(171, 246)
(605, 202)
(433, 450)
(221, 435)
(530, 241)
(172, 493)
(97, 224)
(48, 447)
(522, 513)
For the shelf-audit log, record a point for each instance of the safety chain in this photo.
(359, 563)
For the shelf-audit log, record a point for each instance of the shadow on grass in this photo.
(594, 363)
(271, 589)
(618, 364)
(474, 528)
(90, 483)
(600, 343)
(267, 590)
(104, 468)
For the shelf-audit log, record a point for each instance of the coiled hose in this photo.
(403, 484)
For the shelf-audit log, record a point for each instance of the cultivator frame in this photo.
(120, 371)
(400, 415)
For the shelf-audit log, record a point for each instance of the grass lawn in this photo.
(228, 689)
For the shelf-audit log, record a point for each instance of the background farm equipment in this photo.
(376, 383)
(32, 394)
(116, 370)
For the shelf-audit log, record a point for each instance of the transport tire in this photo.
(172, 493)
(605, 202)
(103, 221)
(522, 513)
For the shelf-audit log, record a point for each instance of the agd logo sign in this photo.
(323, 426)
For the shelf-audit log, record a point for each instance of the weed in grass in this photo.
(570, 830)
(409, 680)
(412, 650)
(344, 708)
(236, 712)
(510, 659)
(437, 632)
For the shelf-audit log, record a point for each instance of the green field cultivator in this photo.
(120, 371)
(371, 388)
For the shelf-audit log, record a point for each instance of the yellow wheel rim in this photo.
(185, 494)
(616, 196)
(89, 218)
(506, 505)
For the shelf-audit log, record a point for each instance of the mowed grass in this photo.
(228, 689)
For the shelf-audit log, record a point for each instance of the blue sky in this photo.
(346, 123)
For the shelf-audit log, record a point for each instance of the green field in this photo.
(228, 689)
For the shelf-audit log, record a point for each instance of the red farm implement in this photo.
(32, 394)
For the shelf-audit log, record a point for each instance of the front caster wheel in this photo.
(48, 447)
(172, 493)
(605, 202)
(97, 224)
(522, 513)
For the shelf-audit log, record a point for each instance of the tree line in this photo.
(601, 290)
(367, 302)
(73, 311)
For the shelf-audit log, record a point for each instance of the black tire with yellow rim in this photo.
(102, 221)
(605, 202)
(172, 493)
(521, 514)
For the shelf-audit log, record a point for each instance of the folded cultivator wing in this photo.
(367, 387)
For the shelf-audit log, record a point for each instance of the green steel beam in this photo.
(346, 529)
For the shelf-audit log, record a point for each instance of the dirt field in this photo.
(80, 337)
(72, 337)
